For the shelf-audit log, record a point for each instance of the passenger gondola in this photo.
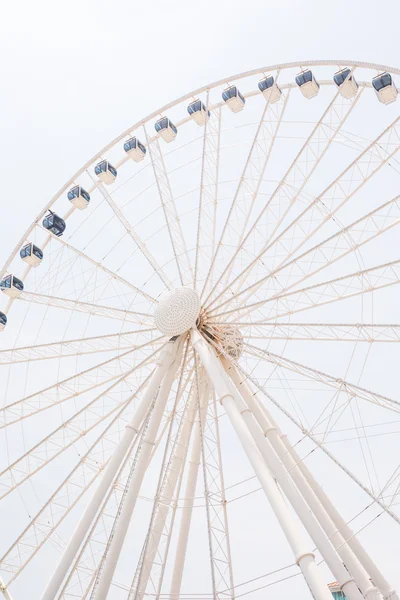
(11, 286)
(105, 172)
(54, 223)
(385, 88)
(307, 83)
(198, 112)
(135, 149)
(79, 197)
(166, 129)
(346, 83)
(269, 89)
(31, 254)
(233, 99)
(3, 321)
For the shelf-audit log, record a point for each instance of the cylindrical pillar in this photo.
(304, 557)
(298, 503)
(102, 584)
(165, 360)
(271, 433)
(345, 530)
(165, 497)
(187, 508)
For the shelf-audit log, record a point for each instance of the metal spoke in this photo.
(318, 444)
(341, 288)
(71, 387)
(64, 436)
(135, 236)
(170, 212)
(249, 185)
(321, 332)
(322, 208)
(89, 308)
(207, 213)
(78, 346)
(290, 188)
(104, 269)
(43, 525)
(334, 382)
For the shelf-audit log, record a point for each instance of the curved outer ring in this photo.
(276, 67)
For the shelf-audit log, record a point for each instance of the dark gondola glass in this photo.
(307, 83)
(79, 197)
(54, 224)
(385, 88)
(11, 286)
(164, 123)
(30, 251)
(132, 144)
(266, 83)
(3, 321)
(346, 83)
(135, 149)
(197, 106)
(198, 112)
(232, 92)
(166, 129)
(304, 77)
(105, 172)
(269, 89)
(340, 77)
(103, 167)
(233, 98)
(382, 81)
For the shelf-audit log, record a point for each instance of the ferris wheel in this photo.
(199, 353)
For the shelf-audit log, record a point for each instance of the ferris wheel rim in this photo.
(152, 115)
(182, 99)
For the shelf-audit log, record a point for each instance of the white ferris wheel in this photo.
(199, 357)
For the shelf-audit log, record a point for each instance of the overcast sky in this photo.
(76, 74)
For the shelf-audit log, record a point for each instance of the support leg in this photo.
(106, 573)
(304, 557)
(273, 435)
(165, 360)
(187, 509)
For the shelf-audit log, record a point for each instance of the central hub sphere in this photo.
(177, 311)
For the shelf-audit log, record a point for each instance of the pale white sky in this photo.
(75, 74)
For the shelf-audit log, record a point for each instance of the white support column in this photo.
(273, 435)
(165, 496)
(190, 491)
(106, 571)
(224, 389)
(345, 530)
(298, 503)
(164, 362)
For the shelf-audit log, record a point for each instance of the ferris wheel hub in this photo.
(177, 311)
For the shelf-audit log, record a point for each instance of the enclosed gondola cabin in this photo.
(11, 286)
(54, 224)
(3, 321)
(385, 88)
(269, 89)
(346, 83)
(31, 254)
(106, 172)
(307, 83)
(166, 129)
(135, 149)
(233, 99)
(198, 112)
(79, 197)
